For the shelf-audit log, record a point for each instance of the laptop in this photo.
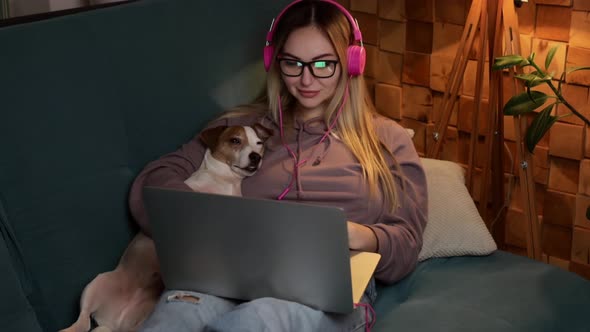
(247, 248)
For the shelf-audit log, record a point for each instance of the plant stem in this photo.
(560, 97)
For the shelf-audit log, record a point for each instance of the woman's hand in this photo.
(361, 237)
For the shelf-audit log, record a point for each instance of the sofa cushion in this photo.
(454, 226)
(499, 292)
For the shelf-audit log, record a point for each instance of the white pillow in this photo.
(454, 226)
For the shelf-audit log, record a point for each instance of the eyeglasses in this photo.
(318, 68)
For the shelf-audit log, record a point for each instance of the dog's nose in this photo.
(255, 157)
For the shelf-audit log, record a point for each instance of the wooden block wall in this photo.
(411, 46)
(565, 229)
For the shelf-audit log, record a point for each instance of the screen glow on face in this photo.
(318, 68)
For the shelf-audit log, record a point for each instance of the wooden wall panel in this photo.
(559, 208)
(467, 112)
(565, 3)
(388, 100)
(422, 44)
(557, 241)
(446, 38)
(437, 108)
(440, 71)
(564, 175)
(468, 87)
(581, 245)
(392, 9)
(584, 185)
(581, 5)
(450, 150)
(541, 47)
(580, 30)
(578, 56)
(553, 22)
(372, 66)
(567, 141)
(369, 27)
(420, 10)
(390, 68)
(417, 103)
(411, 46)
(541, 165)
(416, 69)
(582, 203)
(451, 11)
(367, 6)
(577, 96)
(526, 19)
(419, 133)
(393, 36)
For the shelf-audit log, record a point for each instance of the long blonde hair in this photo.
(355, 124)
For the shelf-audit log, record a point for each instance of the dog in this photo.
(237, 153)
(122, 299)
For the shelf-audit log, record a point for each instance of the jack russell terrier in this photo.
(120, 300)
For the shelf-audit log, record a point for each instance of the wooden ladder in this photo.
(492, 21)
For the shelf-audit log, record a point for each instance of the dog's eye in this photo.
(259, 143)
(234, 140)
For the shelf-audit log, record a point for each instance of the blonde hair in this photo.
(355, 124)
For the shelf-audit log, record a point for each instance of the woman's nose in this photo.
(307, 77)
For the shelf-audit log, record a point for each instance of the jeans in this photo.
(192, 311)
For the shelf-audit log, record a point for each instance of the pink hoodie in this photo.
(331, 176)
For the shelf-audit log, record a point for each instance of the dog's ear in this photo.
(210, 136)
(262, 132)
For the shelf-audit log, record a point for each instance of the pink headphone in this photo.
(355, 54)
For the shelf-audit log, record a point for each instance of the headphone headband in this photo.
(358, 37)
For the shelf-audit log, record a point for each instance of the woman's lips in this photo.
(308, 94)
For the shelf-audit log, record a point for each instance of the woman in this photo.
(330, 147)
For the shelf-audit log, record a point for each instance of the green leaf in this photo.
(532, 79)
(524, 103)
(531, 57)
(539, 127)
(573, 69)
(508, 61)
(550, 56)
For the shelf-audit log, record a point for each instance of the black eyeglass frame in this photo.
(308, 65)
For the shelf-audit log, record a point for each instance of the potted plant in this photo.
(530, 100)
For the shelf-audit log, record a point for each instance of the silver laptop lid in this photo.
(246, 248)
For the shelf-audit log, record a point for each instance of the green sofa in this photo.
(87, 99)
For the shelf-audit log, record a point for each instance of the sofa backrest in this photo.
(16, 311)
(86, 100)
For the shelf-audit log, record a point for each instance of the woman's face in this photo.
(310, 44)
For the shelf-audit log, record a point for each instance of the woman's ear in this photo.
(210, 136)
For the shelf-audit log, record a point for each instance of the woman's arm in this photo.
(399, 234)
(361, 237)
(169, 171)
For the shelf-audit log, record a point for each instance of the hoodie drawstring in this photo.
(297, 164)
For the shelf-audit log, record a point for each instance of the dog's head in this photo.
(240, 147)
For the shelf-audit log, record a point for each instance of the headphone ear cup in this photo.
(268, 53)
(357, 58)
